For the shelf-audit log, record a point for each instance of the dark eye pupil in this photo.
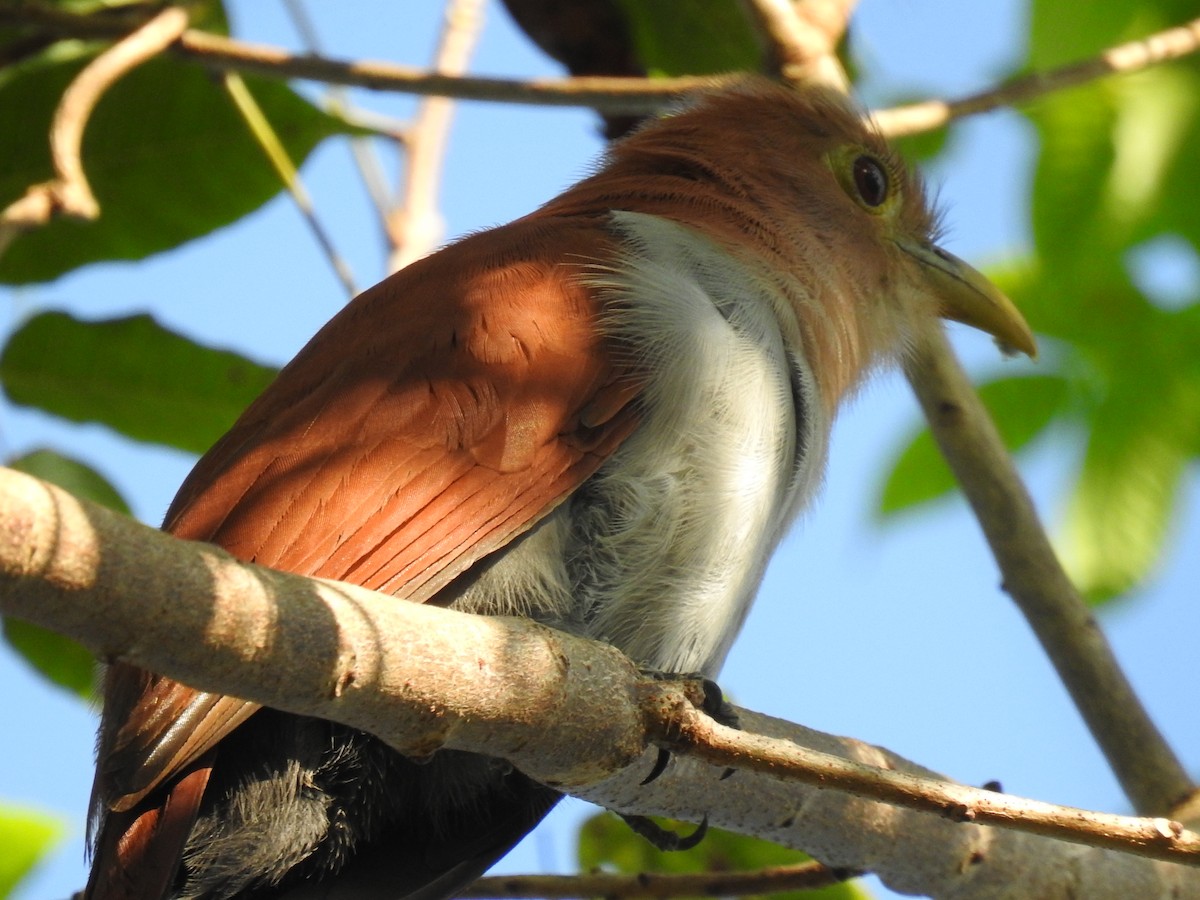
(871, 181)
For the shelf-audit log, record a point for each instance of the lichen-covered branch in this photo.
(570, 712)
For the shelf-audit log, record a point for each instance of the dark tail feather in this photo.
(137, 853)
(403, 866)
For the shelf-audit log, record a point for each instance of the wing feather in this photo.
(439, 416)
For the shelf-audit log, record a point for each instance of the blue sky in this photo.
(898, 635)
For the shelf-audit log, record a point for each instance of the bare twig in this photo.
(1147, 769)
(1140, 54)
(805, 876)
(415, 227)
(690, 731)
(282, 163)
(801, 38)
(366, 160)
(69, 193)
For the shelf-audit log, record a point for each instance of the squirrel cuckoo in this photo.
(603, 415)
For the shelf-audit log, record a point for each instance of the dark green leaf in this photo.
(167, 155)
(607, 843)
(131, 374)
(695, 38)
(26, 836)
(1021, 407)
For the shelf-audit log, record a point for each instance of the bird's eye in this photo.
(870, 180)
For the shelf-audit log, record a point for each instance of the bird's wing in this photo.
(440, 415)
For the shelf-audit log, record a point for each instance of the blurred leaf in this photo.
(1021, 407)
(1062, 33)
(923, 147)
(607, 843)
(695, 38)
(26, 836)
(167, 155)
(1143, 434)
(60, 659)
(131, 374)
(1115, 171)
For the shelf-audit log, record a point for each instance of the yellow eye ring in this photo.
(870, 181)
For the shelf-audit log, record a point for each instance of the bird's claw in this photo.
(662, 839)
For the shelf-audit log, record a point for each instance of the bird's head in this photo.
(799, 185)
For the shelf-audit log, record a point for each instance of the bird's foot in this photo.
(712, 703)
(662, 839)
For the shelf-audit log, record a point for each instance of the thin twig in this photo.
(805, 876)
(282, 163)
(415, 226)
(1144, 764)
(801, 39)
(1140, 54)
(337, 101)
(69, 193)
(685, 730)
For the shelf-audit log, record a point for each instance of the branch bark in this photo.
(570, 712)
(414, 227)
(608, 95)
(1148, 770)
(1169, 44)
(801, 38)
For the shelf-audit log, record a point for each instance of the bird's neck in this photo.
(819, 302)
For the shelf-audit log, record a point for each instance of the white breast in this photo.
(661, 552)
(668, 542)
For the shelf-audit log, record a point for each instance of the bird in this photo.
(602, 416)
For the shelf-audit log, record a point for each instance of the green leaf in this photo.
(1115, 168)
(131, 374)
(1143, 434)
(60, 659)
(166, 153)
(606, 842)
(26, 836)
(695, 38)
(1062, 33)
(1021, 407)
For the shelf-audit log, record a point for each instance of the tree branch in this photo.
(605, 94)
(569, 712)
(415, 226)
(801, 38)
(1148, 770)
(772, 880)
(1163, 46)
(611, 95)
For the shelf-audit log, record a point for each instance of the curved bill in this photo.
(964, 295)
